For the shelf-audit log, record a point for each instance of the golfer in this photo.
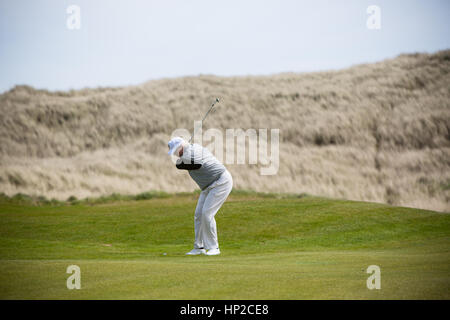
(215, 182)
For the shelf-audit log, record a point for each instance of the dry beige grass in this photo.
(377, 132)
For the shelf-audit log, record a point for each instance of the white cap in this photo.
(174, 144)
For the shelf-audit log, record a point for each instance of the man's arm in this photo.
(187, 166)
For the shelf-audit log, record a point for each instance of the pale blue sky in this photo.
(130, 41)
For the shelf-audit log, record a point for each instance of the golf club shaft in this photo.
(212, 106)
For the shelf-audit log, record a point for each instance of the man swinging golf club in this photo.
(215, 182)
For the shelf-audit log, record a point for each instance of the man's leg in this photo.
(214, 200)
(198, 242)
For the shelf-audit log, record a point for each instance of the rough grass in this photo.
(273, 247)
(377, 132)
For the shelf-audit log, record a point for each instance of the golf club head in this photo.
(214, 104)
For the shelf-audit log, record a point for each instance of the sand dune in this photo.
(377, 132)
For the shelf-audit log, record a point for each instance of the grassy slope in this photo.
(272, 248)
(375, 132)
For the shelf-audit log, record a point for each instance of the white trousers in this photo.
(209, 202)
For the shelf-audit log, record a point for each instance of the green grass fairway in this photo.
(273, 247)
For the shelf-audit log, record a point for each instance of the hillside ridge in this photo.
(375, 132)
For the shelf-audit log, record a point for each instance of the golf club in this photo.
(212, 106)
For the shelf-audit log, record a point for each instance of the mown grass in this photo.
(273, 247)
